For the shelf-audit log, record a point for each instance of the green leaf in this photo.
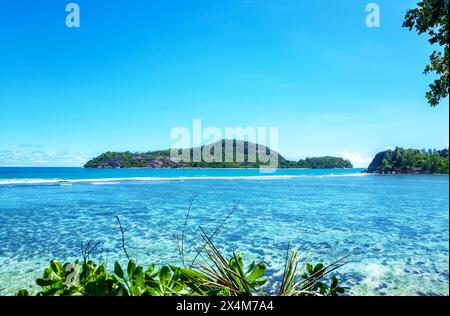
(340, 290)
(51, 292)
(318, 267)
(250, 267)
(55, 266)
(121, 290)
(309, 268)
(46, 282)
(260, 282)
(23, 292)
(164, 274)
(131, 267)
(258, 271)
(138, 276)
(192, 274)
(150, 269)
(118, 270)
(334, 282)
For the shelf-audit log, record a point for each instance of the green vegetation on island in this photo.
(410, 161)
(326, 162)
(162, 159)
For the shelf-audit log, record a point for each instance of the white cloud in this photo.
(30, 156)
(31, 146)
(356, 158)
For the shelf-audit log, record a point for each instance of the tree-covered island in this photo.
(162, 159)
(410, 161)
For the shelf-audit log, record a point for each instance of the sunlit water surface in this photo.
(396, 228)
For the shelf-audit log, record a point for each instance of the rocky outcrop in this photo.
(410, 161)
(376, 162)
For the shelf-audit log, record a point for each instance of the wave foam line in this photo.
(116, 180)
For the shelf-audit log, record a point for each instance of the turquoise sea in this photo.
(396, 228)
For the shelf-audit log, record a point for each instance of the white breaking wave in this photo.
(104, 181)
(343, 175)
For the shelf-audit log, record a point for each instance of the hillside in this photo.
(410, 161)
(162, 159)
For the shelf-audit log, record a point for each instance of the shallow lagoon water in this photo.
(396, 228)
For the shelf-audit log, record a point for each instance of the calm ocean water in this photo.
(396, 228)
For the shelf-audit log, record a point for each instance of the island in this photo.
(410, 161)
(162, 159)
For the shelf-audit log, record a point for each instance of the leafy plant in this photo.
(431, 17)
(310, 282)
(212, 275)
(219, 276)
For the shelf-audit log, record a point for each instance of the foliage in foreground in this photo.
(209, 274)
(431, 17)
(215, 276)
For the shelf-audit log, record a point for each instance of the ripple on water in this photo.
(395, 228)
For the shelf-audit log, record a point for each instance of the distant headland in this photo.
(162, 159)
(410, 161)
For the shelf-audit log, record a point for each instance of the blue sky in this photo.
(136, 69)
